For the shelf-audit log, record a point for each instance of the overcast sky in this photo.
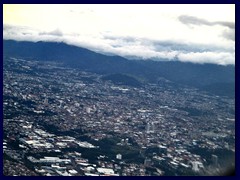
(191, 33)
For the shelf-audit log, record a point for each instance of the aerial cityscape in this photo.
(71, 111)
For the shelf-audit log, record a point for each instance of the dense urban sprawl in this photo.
(63, 121)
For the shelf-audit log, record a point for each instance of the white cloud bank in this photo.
(189, 33)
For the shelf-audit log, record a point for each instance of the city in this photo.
(62, 121)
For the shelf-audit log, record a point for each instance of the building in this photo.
(196, 166)
(215, 160)
(119, 156)
(147, 162)
(148, 128)
(88, 110)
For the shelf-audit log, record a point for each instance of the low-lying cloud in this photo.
(222, 58)
(56, 32)
(132, 47)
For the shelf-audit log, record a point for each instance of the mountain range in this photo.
(216, 79)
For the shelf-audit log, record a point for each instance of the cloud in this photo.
(55, 32)
(24, 33)
(157, 32)
(229, 34)
(19, 33)
(221, 58)
(162, 45)
(185, 19)
(230, 25)
(131, 46)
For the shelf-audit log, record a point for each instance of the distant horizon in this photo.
(186, 32)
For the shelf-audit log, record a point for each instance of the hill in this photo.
(122, 79)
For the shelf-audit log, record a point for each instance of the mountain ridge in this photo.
(190, 74)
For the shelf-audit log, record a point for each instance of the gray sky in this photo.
(192, 33)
